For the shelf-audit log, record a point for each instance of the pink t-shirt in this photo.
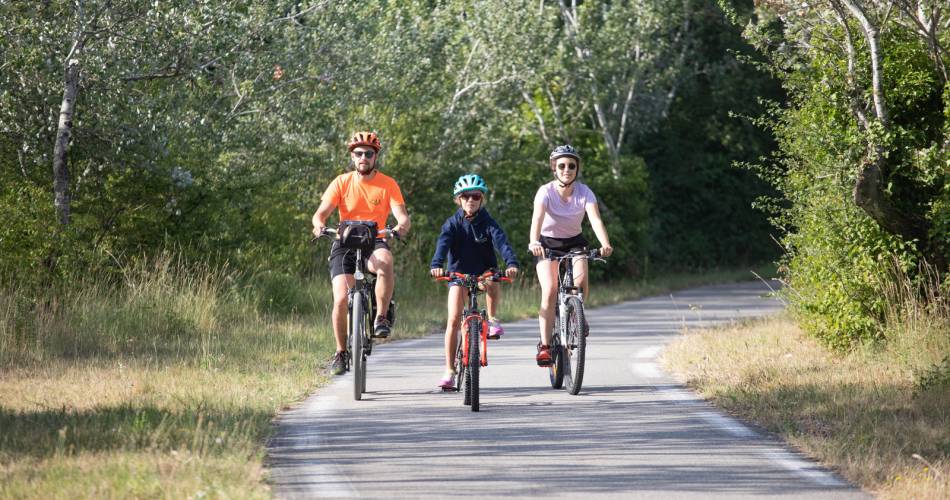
(562, 219)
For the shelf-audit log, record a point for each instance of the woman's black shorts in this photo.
(578, 242)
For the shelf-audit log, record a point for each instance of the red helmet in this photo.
(368, 139)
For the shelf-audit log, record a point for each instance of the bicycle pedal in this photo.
(450, 389)
(494, 337)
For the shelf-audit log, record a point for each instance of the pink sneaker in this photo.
(448, 381)
(495, 331)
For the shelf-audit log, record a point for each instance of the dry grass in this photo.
(862, 413)
(165, 385)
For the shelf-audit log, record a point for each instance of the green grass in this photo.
(165, 384)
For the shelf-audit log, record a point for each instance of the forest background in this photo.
(210, 129)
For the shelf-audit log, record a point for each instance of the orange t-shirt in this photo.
(364, 200)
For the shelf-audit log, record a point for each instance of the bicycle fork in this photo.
(563, 318)
(483, 339)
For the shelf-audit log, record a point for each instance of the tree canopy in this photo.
(212, 127)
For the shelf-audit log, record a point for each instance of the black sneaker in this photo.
(338, 364)
(382, 328)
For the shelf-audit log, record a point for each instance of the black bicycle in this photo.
(471, 352)
(360, 237)
(569, 346)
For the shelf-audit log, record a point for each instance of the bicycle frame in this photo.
(464, 358)
(361, 308)
(569, 340)
(472, 313)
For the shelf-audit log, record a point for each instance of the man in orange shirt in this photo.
(369, 195)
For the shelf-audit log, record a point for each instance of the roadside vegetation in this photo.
(165, 384)
(879, 414)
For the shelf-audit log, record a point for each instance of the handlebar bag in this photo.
(358, 235)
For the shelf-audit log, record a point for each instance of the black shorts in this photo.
(343, 260)
(578, 242)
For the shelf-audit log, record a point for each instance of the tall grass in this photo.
(917, 326)
(164, 383)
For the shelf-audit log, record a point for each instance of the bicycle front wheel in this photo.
(575, 345)
(357, 335)
(474, 361)
(460, 371)
(556, 370)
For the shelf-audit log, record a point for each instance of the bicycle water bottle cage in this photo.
(358, 235)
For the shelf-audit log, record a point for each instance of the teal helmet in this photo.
(470, 182)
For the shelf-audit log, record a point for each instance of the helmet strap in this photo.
(563, 185)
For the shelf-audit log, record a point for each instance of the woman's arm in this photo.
(536, 217)
(593, 213)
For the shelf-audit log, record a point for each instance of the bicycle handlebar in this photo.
(490, 275)
(387, 233)
(550, 253)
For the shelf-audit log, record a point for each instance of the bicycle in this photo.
(471, 353)
(361, 297)
(569, 346)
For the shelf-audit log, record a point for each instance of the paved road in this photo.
(631, 433)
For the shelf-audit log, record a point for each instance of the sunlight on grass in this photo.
(857, 412)
(165, 384)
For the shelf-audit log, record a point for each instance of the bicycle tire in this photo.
(357, 324)
(474, 360)
(556, 370)
(575, 344)
(459, 369)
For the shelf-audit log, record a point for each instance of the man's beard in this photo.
(368, 169)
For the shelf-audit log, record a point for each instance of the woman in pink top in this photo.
(559, 209)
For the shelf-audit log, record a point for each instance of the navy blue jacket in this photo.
(470, 245)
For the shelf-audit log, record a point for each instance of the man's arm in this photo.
(402, 219)
(320, 216)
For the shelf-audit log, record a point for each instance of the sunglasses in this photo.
(366, 154)
(471, 196)
(569, 166)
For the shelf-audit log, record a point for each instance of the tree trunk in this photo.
(61, 147)
(869, 196)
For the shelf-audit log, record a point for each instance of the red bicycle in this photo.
(471, 352)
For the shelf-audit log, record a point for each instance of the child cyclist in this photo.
(469, 240)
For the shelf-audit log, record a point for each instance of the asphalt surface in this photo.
(632, 432)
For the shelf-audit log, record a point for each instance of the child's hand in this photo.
(436, 272)
(511, 272)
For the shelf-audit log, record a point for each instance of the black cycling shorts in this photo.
(343, 260)
(578, 242)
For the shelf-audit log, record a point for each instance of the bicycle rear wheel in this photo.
(575, 345)
(474, 361)
(357, 334)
